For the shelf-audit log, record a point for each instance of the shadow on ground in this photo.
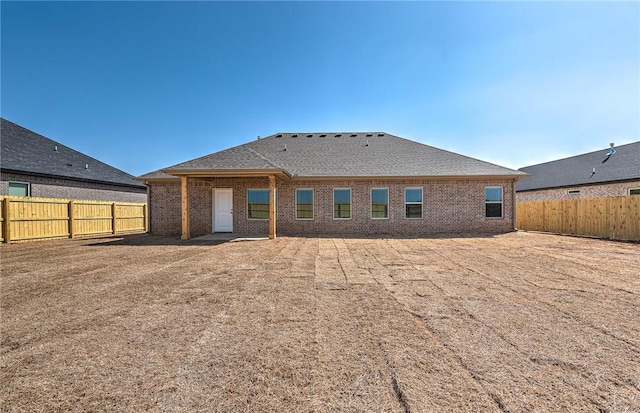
(144, 240)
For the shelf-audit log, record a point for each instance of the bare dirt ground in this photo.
(517, 322)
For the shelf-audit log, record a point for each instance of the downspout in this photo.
(148, 207)
(513, 200)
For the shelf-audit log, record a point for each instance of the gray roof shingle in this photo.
(27, 152)
(623, 165)
(344, 154)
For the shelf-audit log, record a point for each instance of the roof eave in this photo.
(72, 178)
(409, 177)
(575, 185)
(228, 173)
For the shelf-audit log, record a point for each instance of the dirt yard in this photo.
(516, 323)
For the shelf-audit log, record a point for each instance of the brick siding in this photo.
(449, 206)
(71, 189)
(587, 191)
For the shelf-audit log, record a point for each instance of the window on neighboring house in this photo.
(304, 203)
(379, 203)
(341, 203)
(634, 191)
(19, 189)
(258, 204)
(493, 201)
(574, 192)
(413, 202)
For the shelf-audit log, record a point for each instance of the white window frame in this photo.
(28, 184)
(633, 189)
(333, 204)
(494, 202)
(421, 203)
(371, 203)
(313, 204)
(247, 204)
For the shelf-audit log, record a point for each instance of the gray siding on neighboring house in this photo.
(72, 189)
(449, 206)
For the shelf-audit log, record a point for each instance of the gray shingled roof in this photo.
(577, 170)
(343, 154)
(24, 151)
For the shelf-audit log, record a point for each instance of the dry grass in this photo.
(518, 322)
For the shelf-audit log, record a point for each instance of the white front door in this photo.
(223, 210)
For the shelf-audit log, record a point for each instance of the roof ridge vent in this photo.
(369, 135)
(310, 135)
(295, 135)
(381, 134)
(323, 136)
(338, 135)
(279, 135)
(353, 135)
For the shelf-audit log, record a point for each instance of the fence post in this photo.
(113, 218)
(7, 220)
(144, 218)
(72, 221)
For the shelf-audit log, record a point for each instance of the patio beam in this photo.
(272, 207)
(186, 231)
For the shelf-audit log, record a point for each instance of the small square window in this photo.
(19, 189)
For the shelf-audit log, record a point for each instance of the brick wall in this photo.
(449, 206)
(590, 191)
(67, 188)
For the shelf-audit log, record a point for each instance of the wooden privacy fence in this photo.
(28, 218)
(613, 218)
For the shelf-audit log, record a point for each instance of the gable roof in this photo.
(24, 151)
(577, 170)
(340, 155)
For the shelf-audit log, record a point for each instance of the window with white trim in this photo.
(634, 191)
(304, 203)
(379, 203)
(413, 202)
(342, 203)
(258, 204)
(493, 201)
(19, 189)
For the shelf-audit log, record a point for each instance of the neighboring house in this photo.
(33, 165)
(613, 171)
(332, 183)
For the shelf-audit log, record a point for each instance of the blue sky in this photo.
(145, 85)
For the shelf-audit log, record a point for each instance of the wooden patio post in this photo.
(186, 231)
(272, 207)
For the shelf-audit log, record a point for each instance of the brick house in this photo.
(33, 165)
(608, 172)
(331, 183)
